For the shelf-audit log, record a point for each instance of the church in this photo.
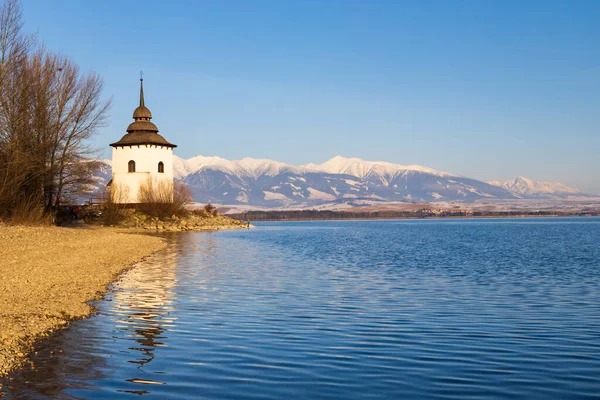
(142, 155)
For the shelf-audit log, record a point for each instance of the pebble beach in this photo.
(49, 274)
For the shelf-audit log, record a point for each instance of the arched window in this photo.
(161, 167)
(131, 166)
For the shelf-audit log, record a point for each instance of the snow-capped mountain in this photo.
(271, 183)
(245, 168)
(267, 183)
(362, 169)
(526, 187)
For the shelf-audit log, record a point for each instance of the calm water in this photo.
(361, 309)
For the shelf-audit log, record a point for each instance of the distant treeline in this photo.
(333, 215)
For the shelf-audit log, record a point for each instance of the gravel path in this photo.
(47, 274)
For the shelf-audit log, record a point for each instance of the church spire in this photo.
(142, 89)
(142, 130)
(142, 113)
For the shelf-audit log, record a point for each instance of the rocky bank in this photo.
(139, 221)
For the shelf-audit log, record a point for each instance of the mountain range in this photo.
(270, 183)
(528, 188)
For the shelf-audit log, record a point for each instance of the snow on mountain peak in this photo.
(526, 186)
(183, 167)
(246, 167)
(252, 167)
(361, 168)
(258, 167)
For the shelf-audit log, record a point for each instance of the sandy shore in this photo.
(47, 274)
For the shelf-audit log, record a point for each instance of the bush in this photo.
(113, 208)
(163, 199)
(208, 211)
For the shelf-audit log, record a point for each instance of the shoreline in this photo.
(425, 218)
(48, 276)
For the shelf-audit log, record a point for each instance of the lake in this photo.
(469, 308)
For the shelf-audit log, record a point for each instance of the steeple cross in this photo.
(141, 75)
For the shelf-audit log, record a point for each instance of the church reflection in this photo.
(143, 306)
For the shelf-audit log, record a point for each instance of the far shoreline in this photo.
(423, 218)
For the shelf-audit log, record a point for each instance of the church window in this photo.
(161, 167)
(131, 166)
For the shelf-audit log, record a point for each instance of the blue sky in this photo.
(490, 90)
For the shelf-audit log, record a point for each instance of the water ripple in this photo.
(372, 310)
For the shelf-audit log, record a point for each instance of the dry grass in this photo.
(113, 209)
(30, 212)
(163, 199)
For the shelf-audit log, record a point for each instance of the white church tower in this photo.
(142, 154)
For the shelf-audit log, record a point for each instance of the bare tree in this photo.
(77, 111)
(15, 47)
(49, 110)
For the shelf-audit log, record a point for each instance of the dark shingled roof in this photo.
(142, 112)
(142, 137)
(142, 131)
(142, 125)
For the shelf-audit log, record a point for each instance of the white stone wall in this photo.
(146, 159)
